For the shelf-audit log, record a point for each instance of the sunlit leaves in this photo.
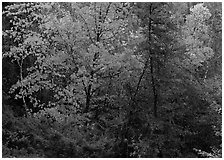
(66, 47)
(195, 34)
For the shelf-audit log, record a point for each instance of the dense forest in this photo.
(115, 79)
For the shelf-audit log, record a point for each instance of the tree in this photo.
(112, 79)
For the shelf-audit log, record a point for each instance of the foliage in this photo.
(111, 79)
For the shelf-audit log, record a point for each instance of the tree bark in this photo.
(22, 87)
(88, 97)
(153, 88)
(152, 65)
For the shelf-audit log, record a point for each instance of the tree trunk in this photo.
(88, 97)
(153, 88)
(22, 87)
(151, 66)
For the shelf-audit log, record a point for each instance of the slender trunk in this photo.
(88, 97)
(22, 87)
(153, 88)
(152, 67)
(140, 78)
(96, 56)
(132, 103)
